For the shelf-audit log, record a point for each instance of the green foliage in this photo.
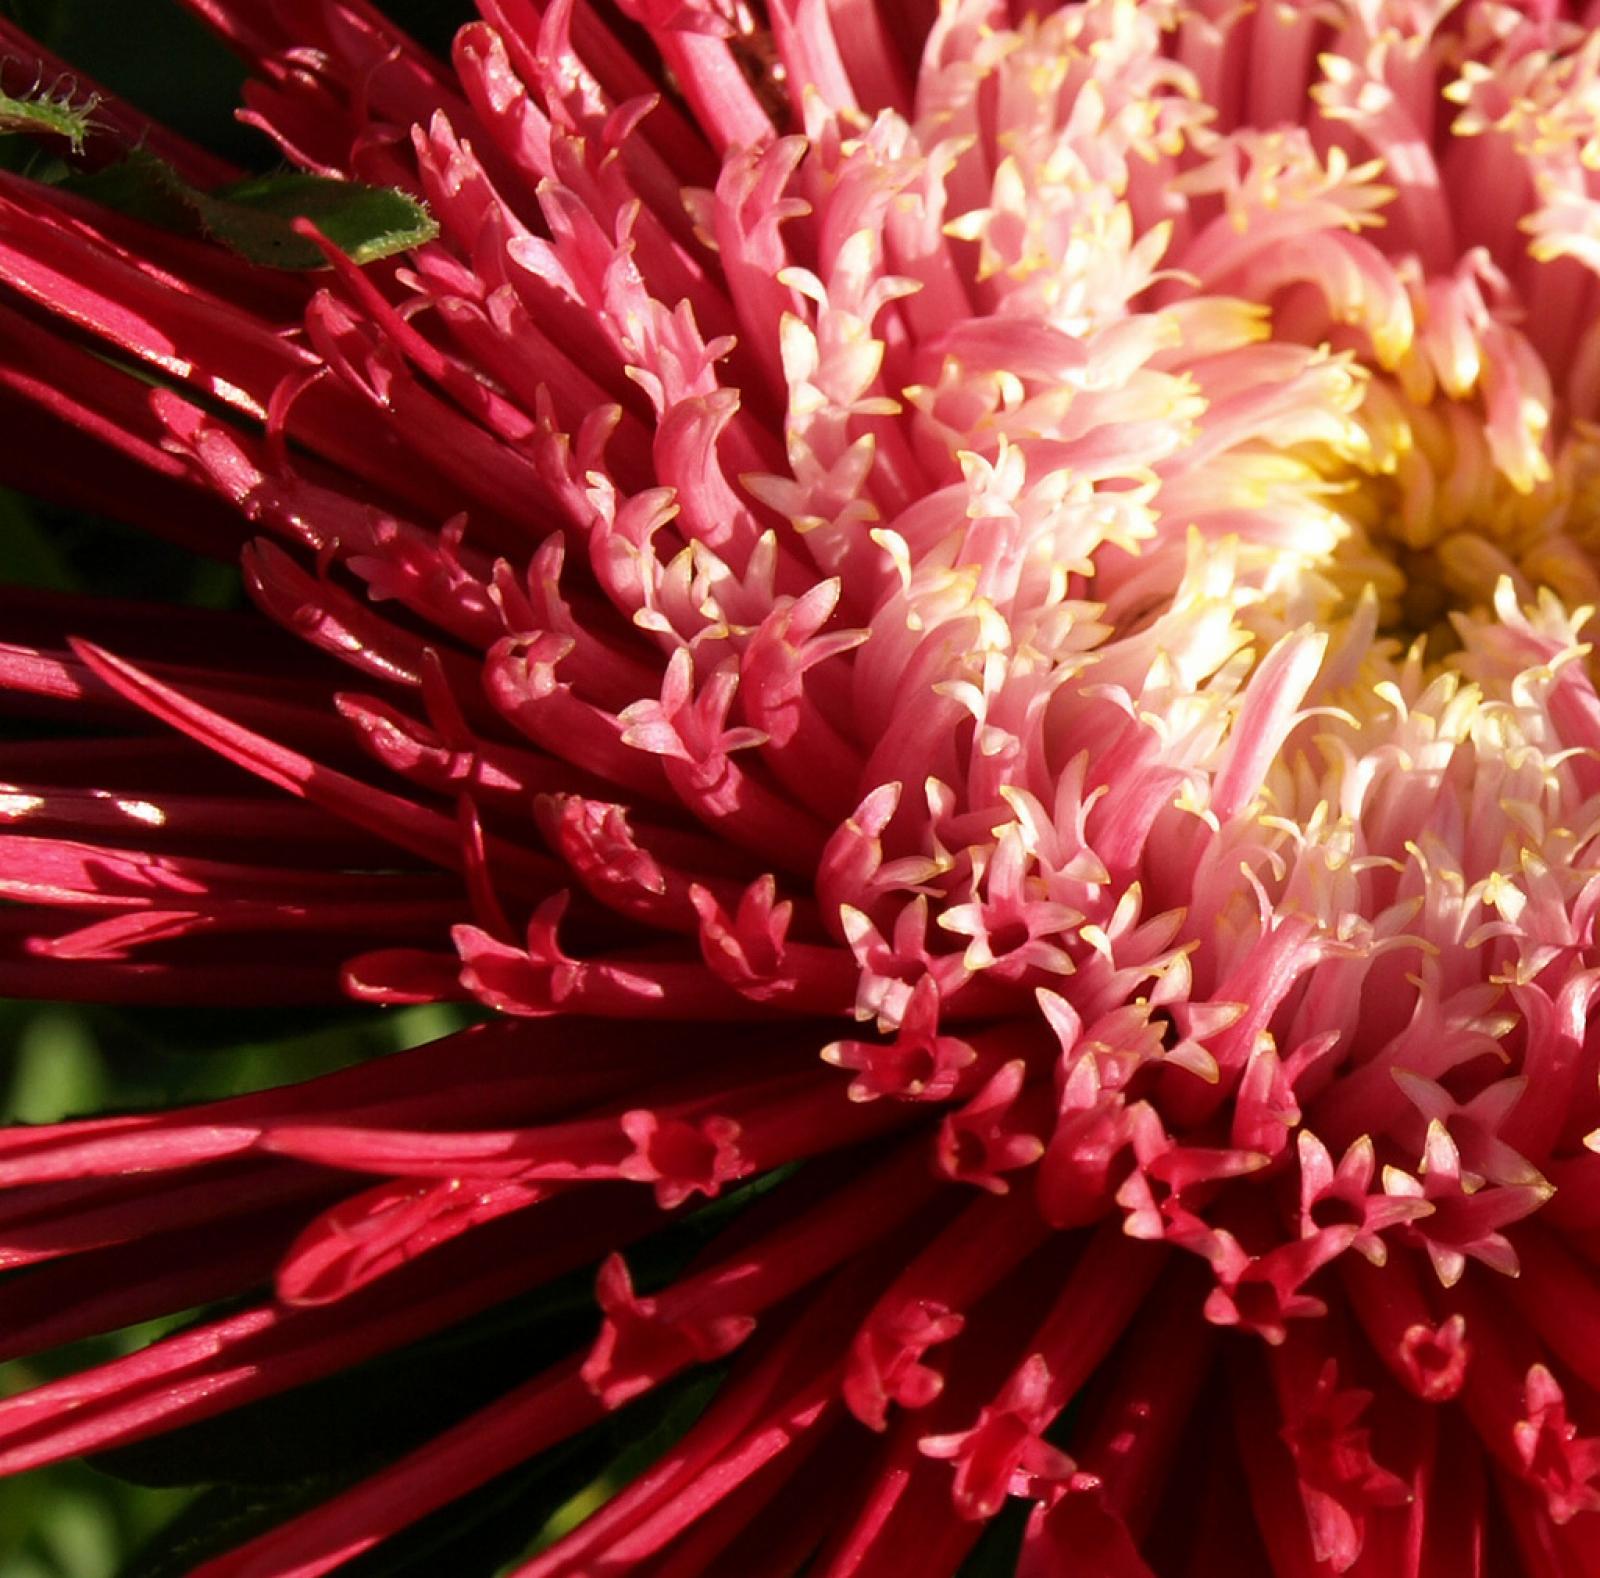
(366, 223)
(157, 56)
(48, 113)
(74, 1523)
(256, 218)
(58, 1070)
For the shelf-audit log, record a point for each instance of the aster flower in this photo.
(972, 630)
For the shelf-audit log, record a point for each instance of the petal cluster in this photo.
(1021, 585)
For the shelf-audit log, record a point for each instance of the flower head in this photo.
(1020, 585)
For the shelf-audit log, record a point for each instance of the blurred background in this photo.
(60, 1061)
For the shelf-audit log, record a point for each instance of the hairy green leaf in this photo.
(366, 223)
(256, 218)
(49, 114)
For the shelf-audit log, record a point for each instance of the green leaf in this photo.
(157, 56)
(366, 223)
(256, 217)
(48, 115)
(141, 186)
